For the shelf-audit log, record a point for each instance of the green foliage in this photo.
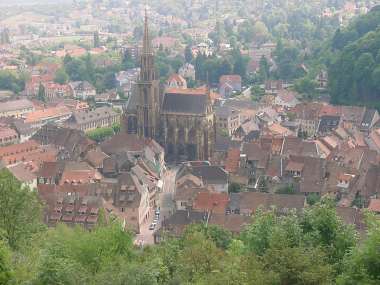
(9, 81)
(314, 247)
(211, 68)
(306, 86)
(41, 93)
(5, 270)
(355, 72)
(100, 134)
(96, 40)
(127, 60)
(61, 76)
(362, 264)
(288, 189)
(313, 198)
(85, 69)
(234, 187)
(73, 256)
(20, 211)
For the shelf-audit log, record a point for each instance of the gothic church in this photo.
(181, 120)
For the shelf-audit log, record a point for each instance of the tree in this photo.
(41, 93)
(264, 69)
(61, 76)
(20, 210)
(240, 63)
(9, 81)
(234, 188)
(288, 189)
(96, 39)
(305, 85)
(128, 61)
(188, 54)
(5, 268)
(362, 264)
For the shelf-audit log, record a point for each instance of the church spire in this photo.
(147, 46)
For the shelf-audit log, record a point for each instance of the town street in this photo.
(165, 204)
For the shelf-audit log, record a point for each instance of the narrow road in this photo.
(166, 206)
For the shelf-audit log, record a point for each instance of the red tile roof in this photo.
(374, 205)
(211, 201)
(232, 161)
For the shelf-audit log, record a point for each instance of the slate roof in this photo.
(123, 142)
(184, 103)
(87, 116)
(209, 174)
(15, 105)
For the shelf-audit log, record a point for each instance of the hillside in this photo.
(354, 74)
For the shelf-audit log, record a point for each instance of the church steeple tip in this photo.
(147, 47)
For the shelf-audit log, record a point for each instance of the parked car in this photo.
(152, 226)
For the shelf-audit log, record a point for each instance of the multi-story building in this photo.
(227, 119)
(88, 120)
(16, 108)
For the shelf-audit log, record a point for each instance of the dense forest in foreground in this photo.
(312, 247)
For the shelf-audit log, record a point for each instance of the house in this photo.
(370, 118)
(50, 172)
(273, 87)
(42, 117)
(131, 201)
(374, 206)
(329, 118)
(307, 115)
(227, 119)
(82, 89)
(76, 173)
(254, 159)
(16, 108)
(248, 131)
(164, 42)
(23, 173)
(176, 81)
(276, 129)
(29, 151)
(297, 146)
(187, 71)
(310, 170)
(322, 79)
(286, 99)
(210, 202)
(185, 195)
(95, 158)
(175, 225)
(211, 176)
(123, 143)
(247, 203)
(8, 136)
(55, 90)
(127, 79)
(72, 205)
(352, 116)
(89, 120)
(71, 144)
(229, 84)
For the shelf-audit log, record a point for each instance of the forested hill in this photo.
(354, 74)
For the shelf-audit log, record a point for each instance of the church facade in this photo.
(181, 120)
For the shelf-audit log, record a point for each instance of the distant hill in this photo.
(354, 74)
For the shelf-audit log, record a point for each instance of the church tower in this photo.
(148, 90)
